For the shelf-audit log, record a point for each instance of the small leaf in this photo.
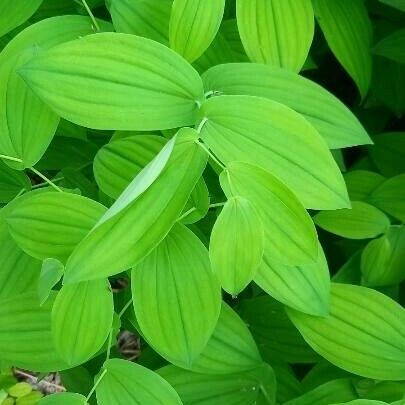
(81, 319)
(51, 273)
(389, 196)
(383, 259)
(237, 244)
(276, 32)
(364, 333)
(63, 398)
(143, 85)
(347, 29)
(129, 383)
(290, 235)
(52, 224)
(392, 46)
(268, 134)
(198, 202)
(338, 126)
(193, 26)
(359, 222)
(398, 4)
(12, 183)
(188, 305)
(305, 287)
(361, 184)
(250, 387)
(128, 232)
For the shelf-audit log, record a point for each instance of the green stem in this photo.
(45, 182)
(90, 13)
(13, 159)
(96, 384)
(123, 310)
(186, 213)
(109, 344)
(211, 155)
(217, 205)
(51, 183)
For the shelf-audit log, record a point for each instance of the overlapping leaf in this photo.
(12, 183)
(361, 184)
(263, 132)
(277, 32)
(143, 85)
(63, 398)
(329, 116)
(51, 273)
(392, 46)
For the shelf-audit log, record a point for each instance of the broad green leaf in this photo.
(361, 184)
(381, 390)
(288, 385)
(118, 162)
(277, 338)
(14, 13)
(392, 46)
(330, 117)
(347, 29)
(18, 271)
(305, 288)
(236, 244)
(365, 402)
(146, 18)
(361, 221)
(390, 197)
(63, 398)
(27, 125)
(229, 29)
(276, 32)
(143, 85)
(198, 204)
(231, 348)
(127, 383)
(25, 329)
(12, 183)
(399, 4)
(388, 153)
(51, 224)
(383, 259)
(290, 236)
(364, 333)
(128, 231)
(51, 273)
(263, 132)
(193, 26)
(189, 303)
(250, 387)
(341, 390)
(81, 319)
(77, 379)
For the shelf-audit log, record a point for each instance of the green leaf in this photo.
(276, 32)
(365, 402)
(118, 162)
(198, 204)
(229, 29)
(330, 117)
(290, 236)
(25, 328)
(250, 387)
(51, 224)
(193, 26)
(14, 13)
(347, 29)
(328, 393)
(130, 383)
(288, 385)
(392, 46)
(51, 272)
(305, 288)
(231, 348)
(383, 259)
(128, 231)
(361, 184)
(189, 303)
(237, 244)
(146, 18)
(399, 4)
(390, 197)
(27, 125)
(277, 338)
(81, 319)
(364, 333)
(260, 131)
(143, 85)
(63, 398)
(12, 183)
(362, 221)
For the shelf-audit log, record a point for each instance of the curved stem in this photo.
(90, 13)
(96, 384)
(211, 155)
(43, 177)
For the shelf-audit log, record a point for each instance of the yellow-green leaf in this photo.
(51, 273)
(63, 398)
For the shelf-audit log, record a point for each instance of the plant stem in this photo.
(109, 344)
(96, 384)
(90, 13)
(43, 177)
(186, 213)
(221, 204)
(13, 159)
(126, 306)
(211, 155)
(45, 182)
